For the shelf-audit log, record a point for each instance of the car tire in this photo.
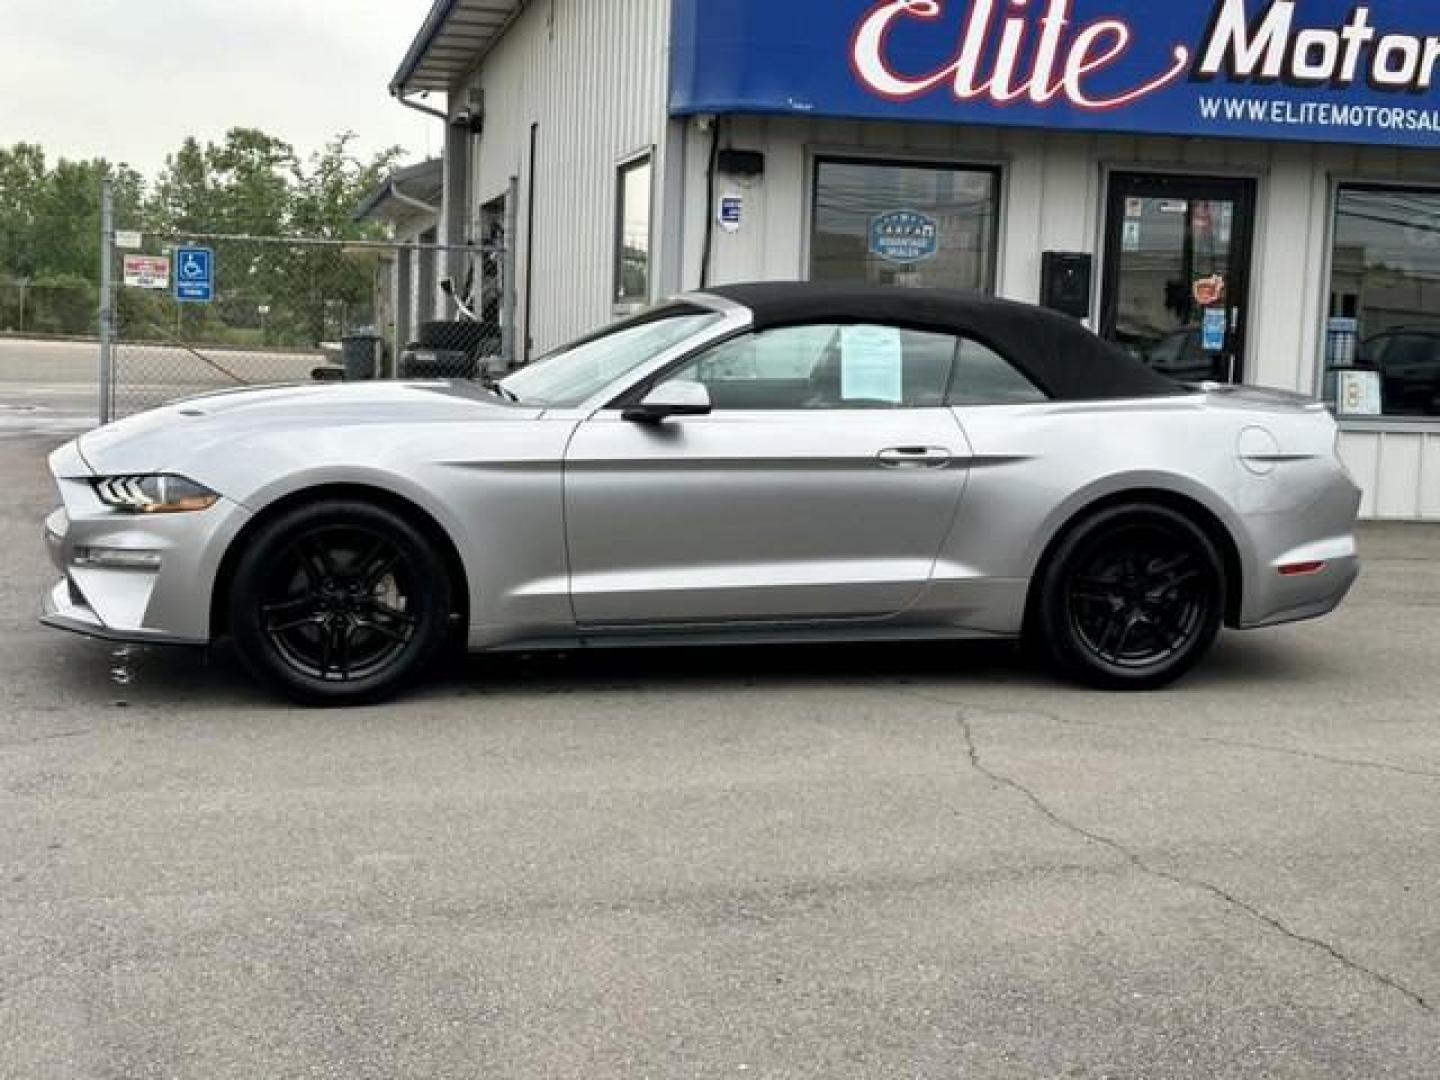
(1132, 598)
(339, 602)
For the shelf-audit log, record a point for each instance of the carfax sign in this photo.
(905, 236)
(1305, 70)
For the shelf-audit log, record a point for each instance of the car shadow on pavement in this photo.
(164, 678)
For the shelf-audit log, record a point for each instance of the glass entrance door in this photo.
(1177, 273)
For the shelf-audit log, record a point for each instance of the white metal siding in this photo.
(1399, 470)
(1054, 199)
(593, 75)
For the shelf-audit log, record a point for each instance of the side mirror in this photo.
(669, 399)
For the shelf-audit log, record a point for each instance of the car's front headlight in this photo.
(160, 494)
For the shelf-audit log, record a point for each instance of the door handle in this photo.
(916, 457)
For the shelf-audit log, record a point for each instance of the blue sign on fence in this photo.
(1311, 71)
(194, 275)
(905, 236)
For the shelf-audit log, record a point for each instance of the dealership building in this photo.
(1238, 190)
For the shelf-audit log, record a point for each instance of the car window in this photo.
(1413, 351)
(984, 377)
(575, 374)
(782, 356)
(826, 366)
(1409, 365)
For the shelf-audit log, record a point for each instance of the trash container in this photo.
(360, 351)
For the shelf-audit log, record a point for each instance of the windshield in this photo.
(576, 373)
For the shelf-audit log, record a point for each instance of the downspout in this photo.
(398, 93)
(426, 302)
(453, 239)
(707, 251)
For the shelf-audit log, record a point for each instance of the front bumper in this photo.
(64, 610)
(169, 604)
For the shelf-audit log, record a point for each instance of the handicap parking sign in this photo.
(194, 275)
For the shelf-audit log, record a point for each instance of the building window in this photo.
(886, 223)
(1385, 296)
(632, 231)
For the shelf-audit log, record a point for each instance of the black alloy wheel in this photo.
(1133, 598)
(339, 602)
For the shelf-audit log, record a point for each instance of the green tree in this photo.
(23, 177)
(50, 221)
(50, 237)
(330, 290)
(250, 183)
(326, 190)
(239, 186)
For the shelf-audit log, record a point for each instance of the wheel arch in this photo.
(1205, 517)
(414, 513)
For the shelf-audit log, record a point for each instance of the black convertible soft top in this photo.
(1058, 354)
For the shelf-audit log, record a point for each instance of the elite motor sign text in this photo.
(1318, 70)
(1019, 49)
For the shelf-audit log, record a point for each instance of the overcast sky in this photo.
(129, 79)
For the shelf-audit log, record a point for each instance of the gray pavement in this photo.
(62, 376)
(862, 862)
(31, 361)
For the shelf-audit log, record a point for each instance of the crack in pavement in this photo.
(1269, 748)
(1208, 740)
(1192, 883)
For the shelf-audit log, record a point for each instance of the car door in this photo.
(1021, 471)
(820, 487)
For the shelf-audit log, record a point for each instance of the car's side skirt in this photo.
(771, 635)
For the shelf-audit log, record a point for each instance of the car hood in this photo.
(162, 438)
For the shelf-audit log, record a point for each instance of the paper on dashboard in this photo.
(872, 364)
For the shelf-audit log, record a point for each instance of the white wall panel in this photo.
(1069, 199)
(786, 224)
(1022, 222)
(1283, 234)
(1397, 490)
(1361, 454)
(1430, 479)
(1399, 470)
(594, 77)
(1405, 476)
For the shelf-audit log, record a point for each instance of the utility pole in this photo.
(107, 297)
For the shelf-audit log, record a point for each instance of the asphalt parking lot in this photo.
(890, 862)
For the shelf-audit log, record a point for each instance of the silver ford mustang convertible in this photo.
(764, 463)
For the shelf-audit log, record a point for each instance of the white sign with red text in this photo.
(147, 272)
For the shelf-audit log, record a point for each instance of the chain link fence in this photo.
(275, 310)
(48, 308)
